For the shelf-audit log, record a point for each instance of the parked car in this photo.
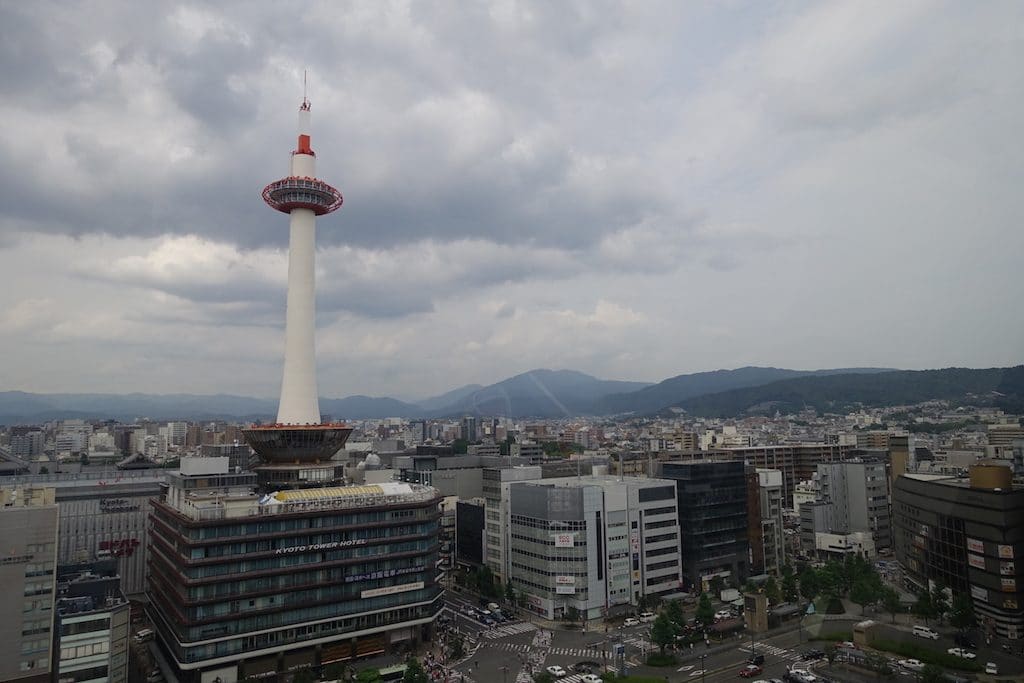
(813, 655)
(646, 617)
(963, 640)
(848, 644)
(591, 678)
(556, 671)
(750, 670)
(799, 676)
(911, 664)
(631, 621)
(586, 667)
(925, 632)
(757, 659)
(991, 669)
(723, 614)
(960, 652)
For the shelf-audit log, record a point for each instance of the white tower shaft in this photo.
(300, 403)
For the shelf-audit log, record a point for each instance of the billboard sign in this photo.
(975, 546)
(565, 540)
(976, 561)
(565, 580)
(565, 590)
(1006, 552)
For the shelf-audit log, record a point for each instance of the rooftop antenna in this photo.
(305, 100)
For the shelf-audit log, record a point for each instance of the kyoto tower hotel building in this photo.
(261, 575)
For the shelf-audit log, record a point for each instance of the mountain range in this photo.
(546, 393)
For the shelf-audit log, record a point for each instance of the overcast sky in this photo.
(634, 190)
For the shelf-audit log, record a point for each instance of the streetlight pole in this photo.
(702, 668)
(504, 674)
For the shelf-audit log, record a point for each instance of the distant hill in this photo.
(367, 407)
(675, 389)
(539, 393)
(448, 398)
(1003, 387)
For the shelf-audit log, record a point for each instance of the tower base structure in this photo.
(297, 456)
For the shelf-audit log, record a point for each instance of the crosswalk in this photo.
(564, 651)
(639, 643)
(508, 630)
(772, 651)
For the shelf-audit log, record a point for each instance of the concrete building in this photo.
(966, 533)
(496, 481)
(859, 493)
(93, 624)
(1004, 434)
(103, 513)
(596, 545)
(797, 462)
(244, 584)
(28, 527)
(712, 504)
(765, 524)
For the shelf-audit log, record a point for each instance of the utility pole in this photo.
(702, 668)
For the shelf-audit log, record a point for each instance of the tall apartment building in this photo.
(27, 444)
(859, 494)
(244, 584)
(797, 462)
(966, 533)
(92, 625)
(764, 521)
(712, 504)
(28, 529)
(593, 544)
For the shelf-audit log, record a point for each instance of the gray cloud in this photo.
(537, 184)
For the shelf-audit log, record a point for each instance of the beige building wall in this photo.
(28, 565)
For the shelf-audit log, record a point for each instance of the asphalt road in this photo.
(503, 652)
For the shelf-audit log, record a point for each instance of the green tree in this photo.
(789, 588)
(863, 594)
(543, 677)
(810, 584)
(414, 672)
(44, 470)
(961, 614)
(460, 446)
(923, 607)
(641, 604)
(662, 632)
(304, 676)
(772, 592)
(674, 611)
(716, 584)
(705, 613)
(334, 671)
(510, 593)
(940, 601)
(890, 600)
(457, 647)
(932, 673)
(84, 459)
(368, 676)
(830, 653)
(572, 614)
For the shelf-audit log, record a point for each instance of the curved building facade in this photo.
(248, 585)
(966, 538)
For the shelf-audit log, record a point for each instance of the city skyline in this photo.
(632, 193)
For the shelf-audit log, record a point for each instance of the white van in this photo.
(925, 632)
(144, 635)
(646, 617)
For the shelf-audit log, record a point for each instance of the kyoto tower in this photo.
(298, 436)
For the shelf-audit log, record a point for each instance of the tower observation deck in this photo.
(298, 436)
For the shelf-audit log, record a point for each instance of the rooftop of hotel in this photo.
(220, 503)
